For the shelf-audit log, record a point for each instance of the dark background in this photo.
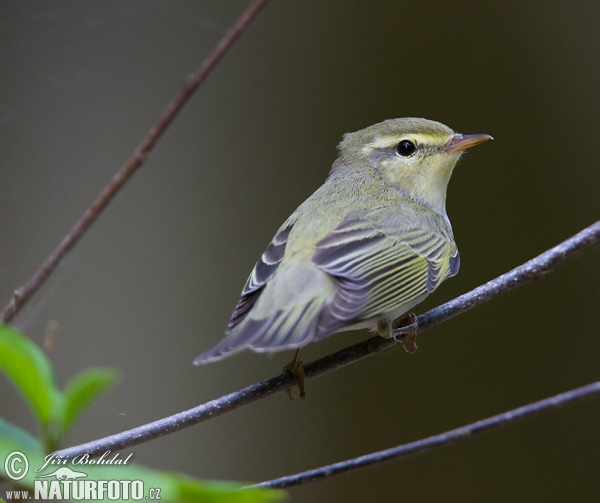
(154, 281)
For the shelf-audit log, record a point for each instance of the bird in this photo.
(365, 248)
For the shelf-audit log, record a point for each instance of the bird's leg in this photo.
(405, 333)
(405, 330)
(297, 370)
(384, 328)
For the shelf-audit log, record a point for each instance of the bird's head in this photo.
(414, 156)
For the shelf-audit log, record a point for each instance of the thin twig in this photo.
(525, 273)
(447, 438)
(24, 293)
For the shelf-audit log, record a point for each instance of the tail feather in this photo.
(286, 314)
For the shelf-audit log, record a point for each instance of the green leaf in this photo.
(31, 372)
(82, 390)
(180, 487)
(186, 488)
(169, 486)
(14, 439)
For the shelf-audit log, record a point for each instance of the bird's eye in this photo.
(406, 148)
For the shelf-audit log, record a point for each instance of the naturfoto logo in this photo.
(67, 483)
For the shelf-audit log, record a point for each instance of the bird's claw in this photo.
(405, 332)
(296, 368)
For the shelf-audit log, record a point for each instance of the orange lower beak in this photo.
(463, 141)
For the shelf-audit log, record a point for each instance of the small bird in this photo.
(371, 243)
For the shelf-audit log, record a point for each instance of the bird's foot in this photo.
(405, 332)
(296, 368)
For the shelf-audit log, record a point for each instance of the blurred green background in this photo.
(154, 282)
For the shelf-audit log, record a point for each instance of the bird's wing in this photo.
(378, 273)
(263, 271)
(356, 273)
(285, 313)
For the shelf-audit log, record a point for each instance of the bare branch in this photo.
(447, 438)
(24, 293)
(525, 273)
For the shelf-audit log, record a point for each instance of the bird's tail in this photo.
(286, 315)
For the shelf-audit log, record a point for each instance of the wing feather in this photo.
(263, 271)
(293, 325)
(378, 273)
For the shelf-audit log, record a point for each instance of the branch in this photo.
(525, 273)
(140, 154)
(447, 438)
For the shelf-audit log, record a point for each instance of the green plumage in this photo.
(373, 241)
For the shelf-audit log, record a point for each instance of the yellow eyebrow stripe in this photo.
(392, 140)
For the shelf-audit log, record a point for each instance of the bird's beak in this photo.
(460, 142)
